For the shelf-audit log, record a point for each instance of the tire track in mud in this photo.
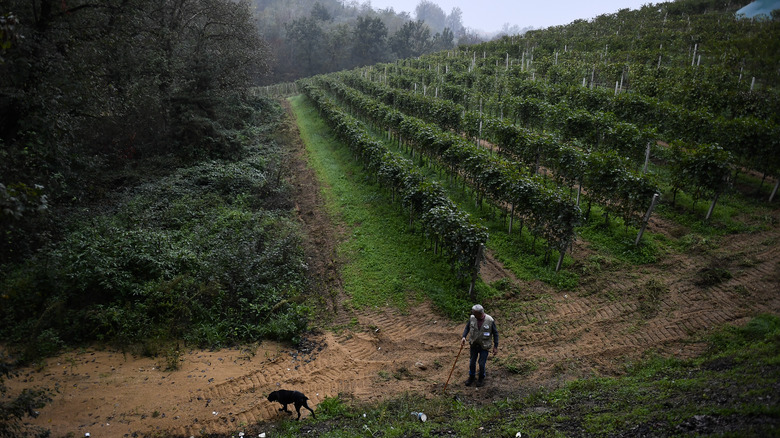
(383, 354)
(618, 316)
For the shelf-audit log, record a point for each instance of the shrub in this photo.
(210, 254)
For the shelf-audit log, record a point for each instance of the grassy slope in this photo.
(386, 263)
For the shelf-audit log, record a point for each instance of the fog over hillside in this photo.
(310, 37)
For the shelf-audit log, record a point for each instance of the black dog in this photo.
(286, 397)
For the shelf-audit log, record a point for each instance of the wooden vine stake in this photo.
(560, 258)
(774, 191)
(512, 217)
(646, 218)
(712, 206)
(647, 157)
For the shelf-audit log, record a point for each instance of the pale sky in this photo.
(491, 15)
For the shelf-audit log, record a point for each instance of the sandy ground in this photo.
(618, 313)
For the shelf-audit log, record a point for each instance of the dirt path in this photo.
(381, 353)
(617, 314)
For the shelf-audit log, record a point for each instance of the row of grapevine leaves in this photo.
(442, 221)
(607, 176)
(600, 116)
(755, 140)
(548, 212)
(620, 190)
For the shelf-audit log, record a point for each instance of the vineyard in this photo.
(626, 112)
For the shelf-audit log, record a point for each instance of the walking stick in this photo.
(453, 368)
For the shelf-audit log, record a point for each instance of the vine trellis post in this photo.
(560, 257)
(511, 219)
(646, 218)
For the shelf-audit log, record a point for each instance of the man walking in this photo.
(481, 334)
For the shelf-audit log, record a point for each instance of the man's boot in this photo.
(470, 381)
(480, 382)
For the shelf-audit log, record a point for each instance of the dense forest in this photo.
(100, 101)
(88, 88)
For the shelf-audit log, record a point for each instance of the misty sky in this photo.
(491, 15)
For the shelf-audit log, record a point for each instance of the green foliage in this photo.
(23, 209)
(92, 90)
(411, 40)
(308, 38)
(330, 35)
(18, 199)
(516, 365)
(703, 170)
(331, 407)
(370, 41)
(764, 330)
(209, 254)
(172, 358)
(711, 276)
(617, 240)
(8, 33)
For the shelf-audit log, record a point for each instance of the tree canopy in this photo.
(88, 86)
(331, 35)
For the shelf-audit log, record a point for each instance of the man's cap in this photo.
(478, 308)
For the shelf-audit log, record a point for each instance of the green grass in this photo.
(615, 240)
(387, 264)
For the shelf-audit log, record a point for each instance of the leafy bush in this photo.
(763, 329)
(331, 407)
(209, 254)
